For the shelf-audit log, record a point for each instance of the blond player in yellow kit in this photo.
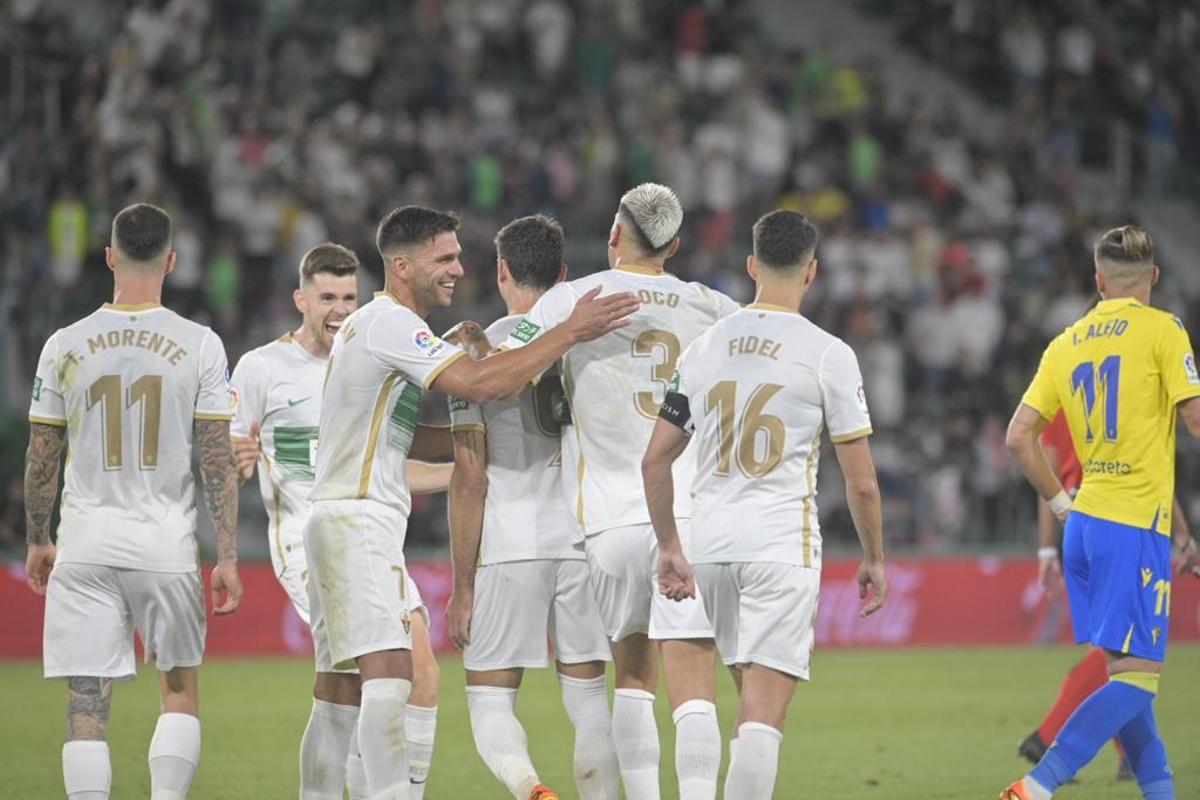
(1120, 375)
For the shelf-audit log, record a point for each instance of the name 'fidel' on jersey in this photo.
(759, 387)
(1118, 374)
(127, 382)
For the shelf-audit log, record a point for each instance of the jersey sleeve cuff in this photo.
(1187, 394)
(1041, 413)
(464, 427)
(842, 438)
(58, 423)
(213, 417)
(440, 368)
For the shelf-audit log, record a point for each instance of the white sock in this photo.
(324, 748)
(597, 773)
(636, 735)
(500, 739)
(420, 725)
(381, 737)
(1035, 790)
(174, 754)
(87, 772)
(754, 762)
(697, 749)
(356, 776)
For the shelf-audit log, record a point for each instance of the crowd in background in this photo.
(951, 253)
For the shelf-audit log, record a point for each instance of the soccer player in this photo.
(278, 390)
(614, 387)
(1121, 374)
(134, 389)
(757, 390)
(518, 577)
(382, 358)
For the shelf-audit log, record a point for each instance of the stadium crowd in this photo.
(951, 253)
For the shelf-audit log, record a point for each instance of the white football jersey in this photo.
(127, 382)
(382, 358)
(525, 515)
(279, 387)
(760, 387)
(615, 385)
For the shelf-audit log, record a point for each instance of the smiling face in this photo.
(326, 300)
(430, 271)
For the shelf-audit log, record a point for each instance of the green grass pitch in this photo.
(935, 724)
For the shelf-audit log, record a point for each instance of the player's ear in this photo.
(562, 273)
(110, 259)
(1155, 274)
(811, 273)
(752, 267)
(298, 299)
(170, 263)
(503, 274)
(674, 247)
(614, 236)
(1099, 283)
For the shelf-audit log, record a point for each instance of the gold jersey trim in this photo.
(850, 437)
(212, 417)
(806, 534)
(774, 307)
(58, 423)
(364, 477)
(440, 368)
(131, 306)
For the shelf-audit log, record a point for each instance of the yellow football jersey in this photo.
(1118, 374)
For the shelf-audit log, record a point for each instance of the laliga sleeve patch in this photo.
(677, 411)
(427, 343)
(525, 331)
(1189, 368)
(861, 398)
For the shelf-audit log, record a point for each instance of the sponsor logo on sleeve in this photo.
(427, 343)
(37, 389)
(458, 404)
(525, 331)
(1189, 367)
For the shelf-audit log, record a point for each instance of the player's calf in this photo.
(87, 769)
(585, 697)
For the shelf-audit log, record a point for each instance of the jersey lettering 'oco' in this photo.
(615, 384)
(1118, 374)
(757, 424)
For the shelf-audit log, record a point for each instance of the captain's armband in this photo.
(675, 410)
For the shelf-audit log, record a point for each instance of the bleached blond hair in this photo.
(1125, 256)
(653, 214)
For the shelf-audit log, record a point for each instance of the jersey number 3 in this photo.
(1087, 380)
(147, 391)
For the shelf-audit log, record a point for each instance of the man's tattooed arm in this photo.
(88, 702)
(41, 479)
(218, 470)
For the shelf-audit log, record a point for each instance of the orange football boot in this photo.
(541, 792)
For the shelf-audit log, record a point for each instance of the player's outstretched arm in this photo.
(41, 487)
(862, 496)
(1022, 440)
(425, 478)
(468, 489)
(507, 373)
(218, 472)
(667, 442)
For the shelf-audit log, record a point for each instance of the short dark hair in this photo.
(328, 258)
(142, 231)
(784, 240)
(533, 249)
(411, 225)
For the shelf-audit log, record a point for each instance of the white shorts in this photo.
(294, 580)
(358, 596)
(623, 567)
(92, 612)
(519, 603)
(762, 613)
